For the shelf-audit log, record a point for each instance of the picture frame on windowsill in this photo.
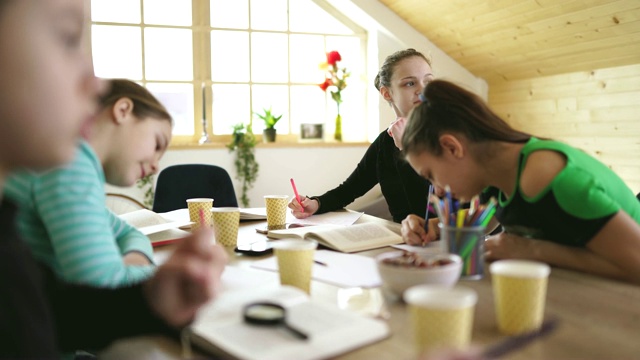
(311, 132)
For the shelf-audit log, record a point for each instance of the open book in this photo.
(159, 230)
(351, 238)
(220, 329)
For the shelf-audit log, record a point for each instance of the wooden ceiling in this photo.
(520, 39)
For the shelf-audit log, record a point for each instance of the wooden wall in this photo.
(597, 111)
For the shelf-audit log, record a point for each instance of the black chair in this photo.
(178, 183)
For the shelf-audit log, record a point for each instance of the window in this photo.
(238, 56)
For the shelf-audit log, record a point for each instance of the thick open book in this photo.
(159, 229)
(220, 329)
(351, 238)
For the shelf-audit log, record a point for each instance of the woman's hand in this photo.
(396, 129)
(190, 278)
(413, 230)
(308, 208)
(510, 246)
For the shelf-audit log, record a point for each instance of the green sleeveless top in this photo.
(579, 201)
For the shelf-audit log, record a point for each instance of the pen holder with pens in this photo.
(468, 243)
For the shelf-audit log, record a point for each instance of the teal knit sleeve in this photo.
(71, 205)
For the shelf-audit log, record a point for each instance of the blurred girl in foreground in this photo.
(47, 95)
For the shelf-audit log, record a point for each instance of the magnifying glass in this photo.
(265, 313)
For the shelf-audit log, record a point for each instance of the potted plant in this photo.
(270, 120)
(243, 142)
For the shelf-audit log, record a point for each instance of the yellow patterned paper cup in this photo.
(226, 221)
(194, 206)
(295, 262)
(519, 293)
(441, 317)
(276, 211)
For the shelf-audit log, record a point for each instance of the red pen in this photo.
(202, 217)
(295, 191)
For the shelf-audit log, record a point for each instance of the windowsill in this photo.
(277, 144)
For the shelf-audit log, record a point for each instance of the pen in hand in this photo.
(426, 214)
(295, 191)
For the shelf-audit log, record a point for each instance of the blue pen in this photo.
(426, 214)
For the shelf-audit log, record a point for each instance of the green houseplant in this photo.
(243, 142)
(270, 121)
(146, 185)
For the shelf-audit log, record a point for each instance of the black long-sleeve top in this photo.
(404, 190)
(40, 316)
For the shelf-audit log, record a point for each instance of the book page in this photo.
(149, 222)
(166, 237)
(356, 237)
(220, 328)
(142, 218)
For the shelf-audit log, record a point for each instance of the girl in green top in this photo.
(62, 214)
(556, 203)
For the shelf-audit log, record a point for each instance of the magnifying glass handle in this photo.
(299, 334)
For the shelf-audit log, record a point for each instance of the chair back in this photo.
(177, 183)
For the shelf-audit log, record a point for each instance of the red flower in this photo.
(325, 84)
(333, 57)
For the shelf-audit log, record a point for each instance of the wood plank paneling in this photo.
(597, 111)
(519, 39)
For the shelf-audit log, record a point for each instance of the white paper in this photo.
(344, 218)
(343, 270)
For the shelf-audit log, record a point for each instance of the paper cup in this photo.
(226, 221)
(276, 211)
(295, 261)
(195, 205)
(468, 243)
(441, 317)
(519, 292)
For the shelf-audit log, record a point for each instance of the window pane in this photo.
(120, 11)
(269, 58)
(178, 99)
(269, 14)
(349, 49)
(230, 56)
(353, 116)
(306, 16)
(231, 106)
(307, 52)
(274, 97)
(307, 106)
(167, 12)
(108, 45)
(230, 14)
(168, 54)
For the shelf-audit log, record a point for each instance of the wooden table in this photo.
(598, 318)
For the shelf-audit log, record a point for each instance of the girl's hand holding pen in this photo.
(413, 232)
(304, 209)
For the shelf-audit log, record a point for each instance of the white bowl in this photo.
(400, 278)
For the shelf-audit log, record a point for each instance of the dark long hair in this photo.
(449, 108)
(144, 103)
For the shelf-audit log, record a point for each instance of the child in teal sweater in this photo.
(62, 213)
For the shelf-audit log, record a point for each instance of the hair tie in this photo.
(422, 98)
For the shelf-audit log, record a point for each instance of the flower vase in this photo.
(338, 133)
